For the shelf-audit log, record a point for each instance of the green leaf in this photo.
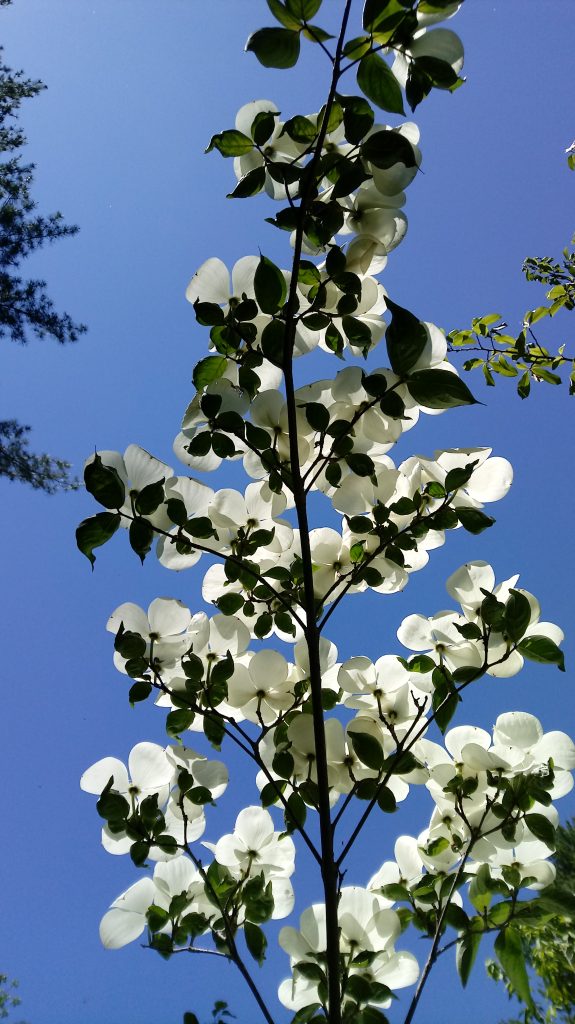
(541, 828)
(386, 800)
(459, 476)
(112, 806)
(466, 953)
(542, 650)
(208, 370)
(139, 853)
(509, 951)
(150, 498)
(208, 314)
(385, 148)
(94, 532)
(231, 143)
(374, 12)
(263, 126)
(406, 338)
(439, 389)
(275, 47)
(439, 72)
(270, 286)
(356, 332)
(129, 645)
(139, 691)
(360, 464)
(272, 342)
(421, 663)
(517, 615)
(229, 604)
(367, 749)
(280, 12)
(358, 117)
(300, 129)
(473, 520)
(295, 812)
(141, 537)
(190, 1018)
(249, 185)
(255, 941)
(104, 483)
(178, 721)
(445, 708)
(317, 416)
(303, 9)
(315, 34)
(376, 79)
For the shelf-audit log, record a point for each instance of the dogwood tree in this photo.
(335, 740)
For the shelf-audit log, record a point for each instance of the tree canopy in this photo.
(26, 310)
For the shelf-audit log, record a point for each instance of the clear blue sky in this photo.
(136, 89)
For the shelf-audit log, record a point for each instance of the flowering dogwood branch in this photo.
(318, 730)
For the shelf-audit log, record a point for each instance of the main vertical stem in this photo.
(329, 868)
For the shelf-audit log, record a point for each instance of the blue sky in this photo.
(136, 89)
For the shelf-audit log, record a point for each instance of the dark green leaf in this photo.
(367, 749)
(139, 691)
(141, 537)
(178, 721)
(360, 464)
(208, 314)
(385, 148)
(303, 9)
(112, 806)
(300, 129)
(272, 342)
(509, 951)
(250, 184)
(128, 644)
(473, 520)
(208, 370)
(255, 941)
(94, 532)
(104, 483)
(150, 498)
(466, 953)
(317, 416)
(542, 650)
(295, 813)
(541, 828)
(439, 389)
(517, 615)
(269, 285)
(459, 476)
(214, 730)
(356, 331)
(439, 72)
(376, 79)
(231, 143)
(139, 853)
(392, 405)
(386, 800)
(275, 47)
(201, 444)
(229, 604)
(280, 12)
(406, 338)
(263, 126)
(358, 117)
(375, 11)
